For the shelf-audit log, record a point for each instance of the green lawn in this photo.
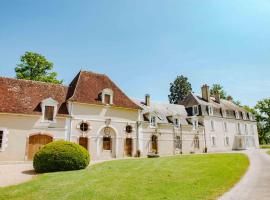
(265, 146)
(179, 177)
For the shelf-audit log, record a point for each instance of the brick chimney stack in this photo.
(205, 92)
(147, 100)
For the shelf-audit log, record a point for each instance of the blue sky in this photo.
(142, 45)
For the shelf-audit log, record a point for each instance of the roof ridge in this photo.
(91, 72)
(33, 81)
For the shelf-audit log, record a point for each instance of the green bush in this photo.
(61, 156)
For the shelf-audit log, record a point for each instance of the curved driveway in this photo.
(255, 185)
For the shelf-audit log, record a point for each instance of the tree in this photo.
(217, 88)
(36, 67)
(179, 89)
(263, 119)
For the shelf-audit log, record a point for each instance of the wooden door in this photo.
(128, 146)
(154, 144)
(36, 142)
(83, 141)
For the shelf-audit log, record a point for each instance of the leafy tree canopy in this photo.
(179, 89)
(217, 88)
(36, 67)
(263, 119)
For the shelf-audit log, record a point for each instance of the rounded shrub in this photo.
(61, 156)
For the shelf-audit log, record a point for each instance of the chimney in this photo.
(147, 100)
(229, 98)
(217, 97)
(205, 93)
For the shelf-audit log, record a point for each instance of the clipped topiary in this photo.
(61, 156)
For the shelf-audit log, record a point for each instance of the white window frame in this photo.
(49, 102)
(107, 91)
(210, 110)
(238, 128)
(244, 115)
(246, 129)
(213, 142)
(237, 116)
(225, 125)
(212, 124)
(250, 116)
(224, 113)
(153, 123)
(227, 143)
(195, 108)
(4, 139)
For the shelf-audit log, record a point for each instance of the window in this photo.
(213, 141)
(1, 139)
(176, 122)
(107, 143)
(227, 141)
(195, 124)
(107, 96)
(178, 144)
(210, 110)
(238, 128)
(246, 129)
(212, 125)
(196, 142)
(225, 127)
(128, 128)
(84, 127)
(224, 112)
(237, 115)
(49, 113)
(250, 117)
(195, 110)
(153, 121)
(244, 115)
(107, 99)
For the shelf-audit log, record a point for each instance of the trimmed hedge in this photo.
(61, 156)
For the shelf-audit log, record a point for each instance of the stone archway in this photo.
(36, 142)
(154, 144)
(107, 143)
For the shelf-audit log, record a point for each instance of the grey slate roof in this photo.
(227, 105)
(163, 111)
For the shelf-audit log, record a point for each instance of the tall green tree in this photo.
(217, 88)
(179, 89)
(36, 67)
(263, 119)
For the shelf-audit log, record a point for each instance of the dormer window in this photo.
(49, 113)
(250, 117)
(210, 110)
(224, 112)
(49, 110)
(237, 115)
(195, 110)
(244, 115)
(153, 121)
(107, 96)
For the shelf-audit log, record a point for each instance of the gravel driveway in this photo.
(255, 183)
(15, 173)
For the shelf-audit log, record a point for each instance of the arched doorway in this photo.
(107, 143)
(154, 144)
(36, 142)
(128, 146)
(83, 141)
